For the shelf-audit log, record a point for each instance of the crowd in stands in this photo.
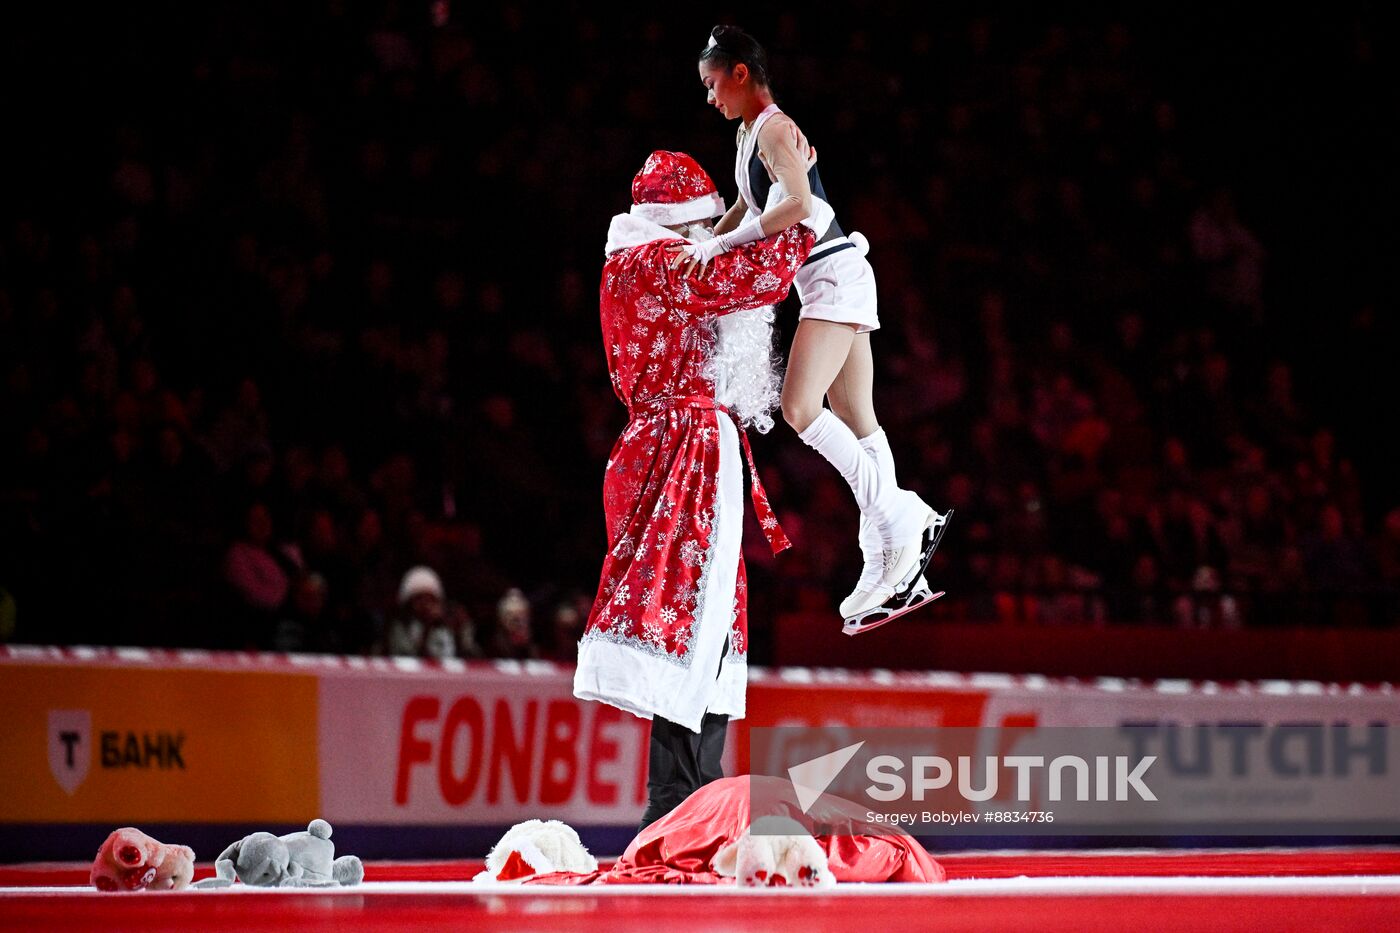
(299, 342)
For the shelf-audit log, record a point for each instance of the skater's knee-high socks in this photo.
(877, 445)
(876, 495)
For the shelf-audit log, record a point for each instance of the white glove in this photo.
(747, 232)
(702, 253)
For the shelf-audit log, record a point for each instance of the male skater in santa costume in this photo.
(667, 635)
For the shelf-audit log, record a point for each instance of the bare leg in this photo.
(831, 359)
(851, 395)
(851, 398)
(819, 351)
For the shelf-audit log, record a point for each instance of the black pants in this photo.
(679, 762)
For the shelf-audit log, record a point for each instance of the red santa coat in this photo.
(667, 634)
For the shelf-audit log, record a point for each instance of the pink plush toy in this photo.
(132, 861)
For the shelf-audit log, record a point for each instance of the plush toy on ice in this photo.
(537, 847)
(132, 861)
(777, 851)
(297, 860)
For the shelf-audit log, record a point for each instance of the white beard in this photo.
(697, 233)
(744, 369)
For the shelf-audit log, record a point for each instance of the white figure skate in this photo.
(875, 601)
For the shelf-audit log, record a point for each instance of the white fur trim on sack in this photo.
(776, 851)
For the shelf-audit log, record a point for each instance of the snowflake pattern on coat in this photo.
(659, 490)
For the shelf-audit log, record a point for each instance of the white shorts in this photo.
(839, 288)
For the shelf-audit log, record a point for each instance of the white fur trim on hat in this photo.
(701, 208)
(420, 580)
(545, 846)
(626, 231)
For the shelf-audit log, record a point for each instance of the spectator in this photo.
(1231, 253)
(514, 638)
(1334, 562)
(272, 330)
(569, 619)
(303, 626)
(421, 603)
(258, 576)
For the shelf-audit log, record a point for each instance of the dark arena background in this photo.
(305, 411)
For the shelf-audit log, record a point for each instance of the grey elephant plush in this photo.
(297, 860)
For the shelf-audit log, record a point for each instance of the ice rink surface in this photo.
(1138, 889)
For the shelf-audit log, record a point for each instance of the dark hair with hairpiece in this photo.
(734, 46)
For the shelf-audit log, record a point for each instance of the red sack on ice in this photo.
(680, 847)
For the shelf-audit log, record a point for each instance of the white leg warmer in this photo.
(880, 501)
(877, 447)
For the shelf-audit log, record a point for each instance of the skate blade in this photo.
(933, 535)
(874, 620)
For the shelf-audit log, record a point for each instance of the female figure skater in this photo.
(830, 355)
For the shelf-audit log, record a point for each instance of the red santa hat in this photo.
(536, 847)
(673, 189)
